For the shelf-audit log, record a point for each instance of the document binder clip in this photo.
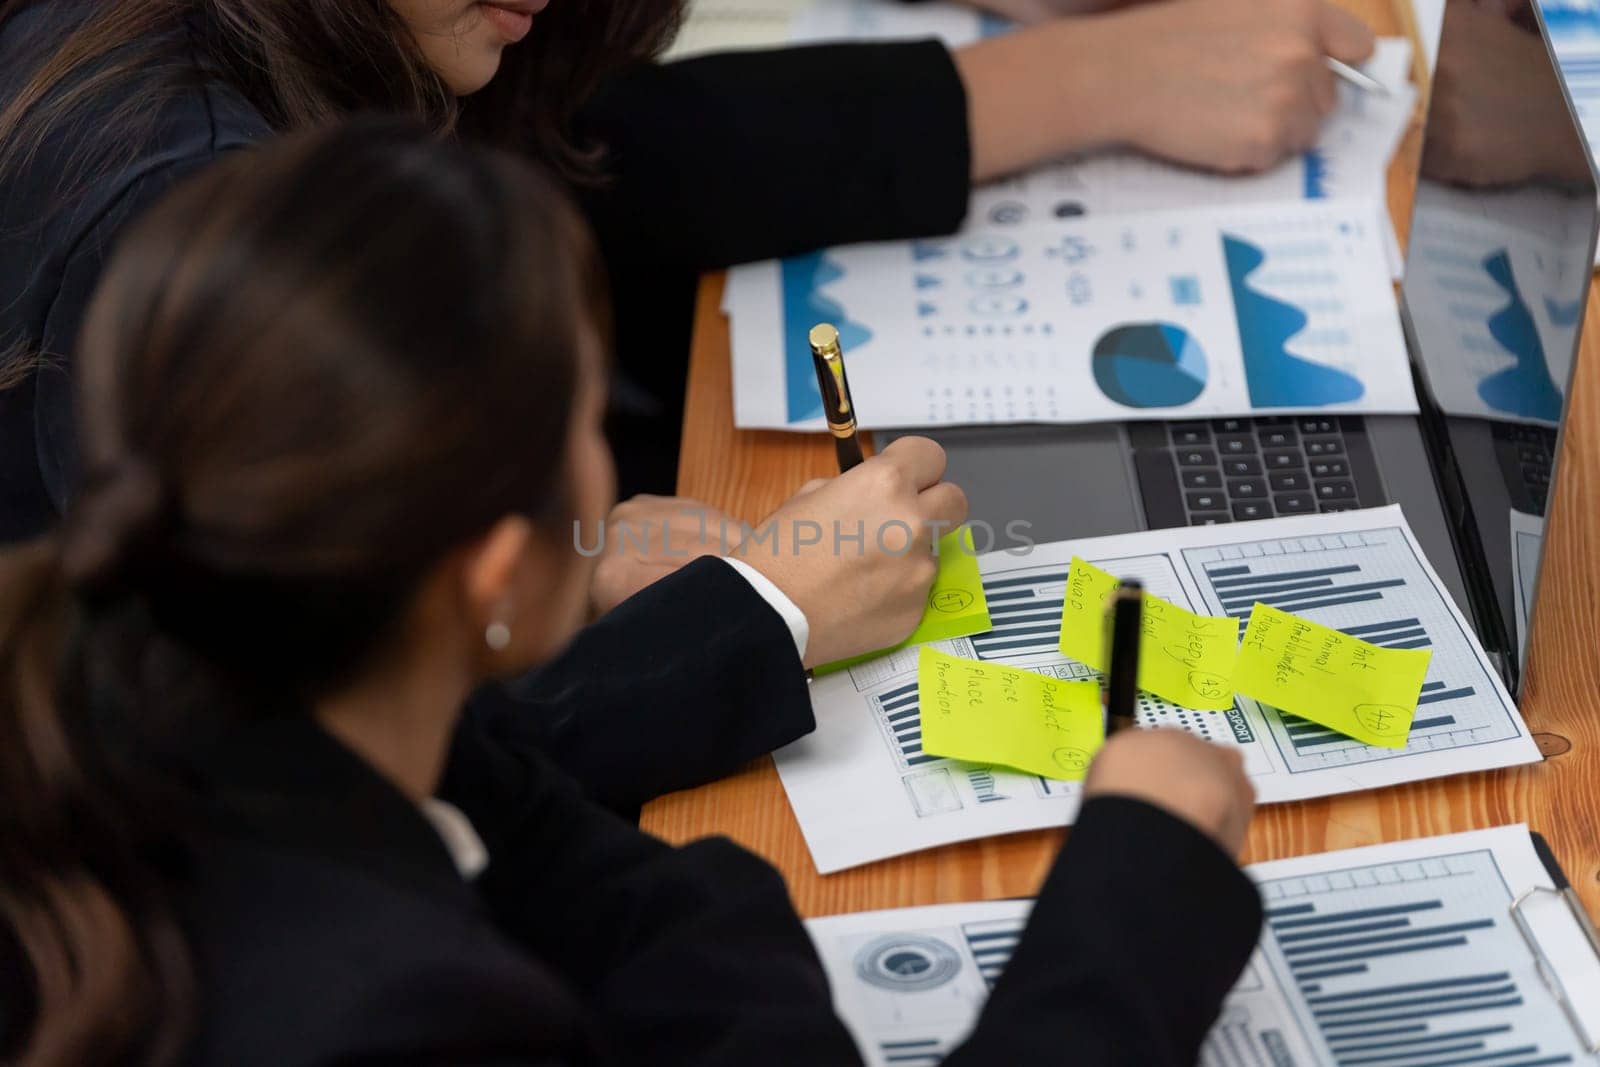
(1579, 951)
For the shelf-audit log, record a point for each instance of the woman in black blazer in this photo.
(244, 822)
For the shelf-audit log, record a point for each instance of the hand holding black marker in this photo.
(1124, 616)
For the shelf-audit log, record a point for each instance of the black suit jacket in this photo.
(330, 926)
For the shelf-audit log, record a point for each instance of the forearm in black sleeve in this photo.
(1142, 928)
(742, 156)
(683, 683)
(688, 955)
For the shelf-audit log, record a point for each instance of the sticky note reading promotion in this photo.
(956, 604)
(1306, 669)
(1183, 657)
(990, 713)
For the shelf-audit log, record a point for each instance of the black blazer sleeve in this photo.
(1142, 928)
(683, 683)
(748, 155)
(688, 955)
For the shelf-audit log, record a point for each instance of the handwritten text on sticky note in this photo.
(991, 713)
(1183, 657)
(1307, 669)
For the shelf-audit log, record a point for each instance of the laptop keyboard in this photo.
(1527, 458)
(1235, 470)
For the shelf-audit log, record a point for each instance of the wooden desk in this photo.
(750, 473)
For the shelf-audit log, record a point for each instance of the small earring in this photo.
(497, 636)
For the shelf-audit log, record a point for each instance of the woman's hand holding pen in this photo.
(1199, 782)
(1229, 85)
(855, 553)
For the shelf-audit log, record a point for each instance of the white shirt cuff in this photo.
(793, 617)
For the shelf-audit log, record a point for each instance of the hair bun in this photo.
(121, 512)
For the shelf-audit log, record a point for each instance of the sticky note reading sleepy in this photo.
(990, 713)
(1304, 668)
(956, 604)
(1183, 657)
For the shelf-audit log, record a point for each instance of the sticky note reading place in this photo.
(990, 713)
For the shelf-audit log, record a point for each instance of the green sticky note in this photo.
(956, 604)
(991, 713)
(1304, 668)
(1183, 657)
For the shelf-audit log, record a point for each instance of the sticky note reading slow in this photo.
(1183, 657)
(956, 604)
(1306, 669)
(991, 713)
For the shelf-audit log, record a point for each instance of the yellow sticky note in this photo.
(991, 713)
(956, 604)
(1183, 657)
(1304, 668)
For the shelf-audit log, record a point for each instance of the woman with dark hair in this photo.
(243, 820)
(104, 103)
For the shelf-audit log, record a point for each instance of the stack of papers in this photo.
(1399, 954)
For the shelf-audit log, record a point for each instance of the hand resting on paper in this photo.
(1227, 85)
(1200, 783)
(855, 553)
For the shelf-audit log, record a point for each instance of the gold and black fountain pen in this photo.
(837, 407)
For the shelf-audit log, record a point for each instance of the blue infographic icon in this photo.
(1275, 378)
(1149, 365)
(1525, 388)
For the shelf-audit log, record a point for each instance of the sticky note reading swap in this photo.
(1306, 669)
(991, 713)
(956, 604)
(1183, 657)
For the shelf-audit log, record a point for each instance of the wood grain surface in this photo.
(749, 473)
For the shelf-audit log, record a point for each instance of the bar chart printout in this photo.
(862, 787)
(1401, 955)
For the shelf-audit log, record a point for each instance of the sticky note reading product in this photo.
(1306, 669)
(956, 604)
(991, 713)
(1183, 657)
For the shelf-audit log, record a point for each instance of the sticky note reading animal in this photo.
(956, 604)
(991, 713)
(1306, 669)
(1183, 657)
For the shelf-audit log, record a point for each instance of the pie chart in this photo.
(1149, 365)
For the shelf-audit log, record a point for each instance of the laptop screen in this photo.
(1497, 276)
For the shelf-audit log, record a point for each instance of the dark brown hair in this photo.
(301, 62)
(307, 376)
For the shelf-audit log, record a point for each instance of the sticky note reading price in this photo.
(1304, 668)
(990, 713)
(956, 604)
(1183, 657)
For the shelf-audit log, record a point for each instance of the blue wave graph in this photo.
(803, 307)
(1275, 377)
(1525, 388)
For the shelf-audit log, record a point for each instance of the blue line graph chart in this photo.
(1371, 585)
(1410, 964)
